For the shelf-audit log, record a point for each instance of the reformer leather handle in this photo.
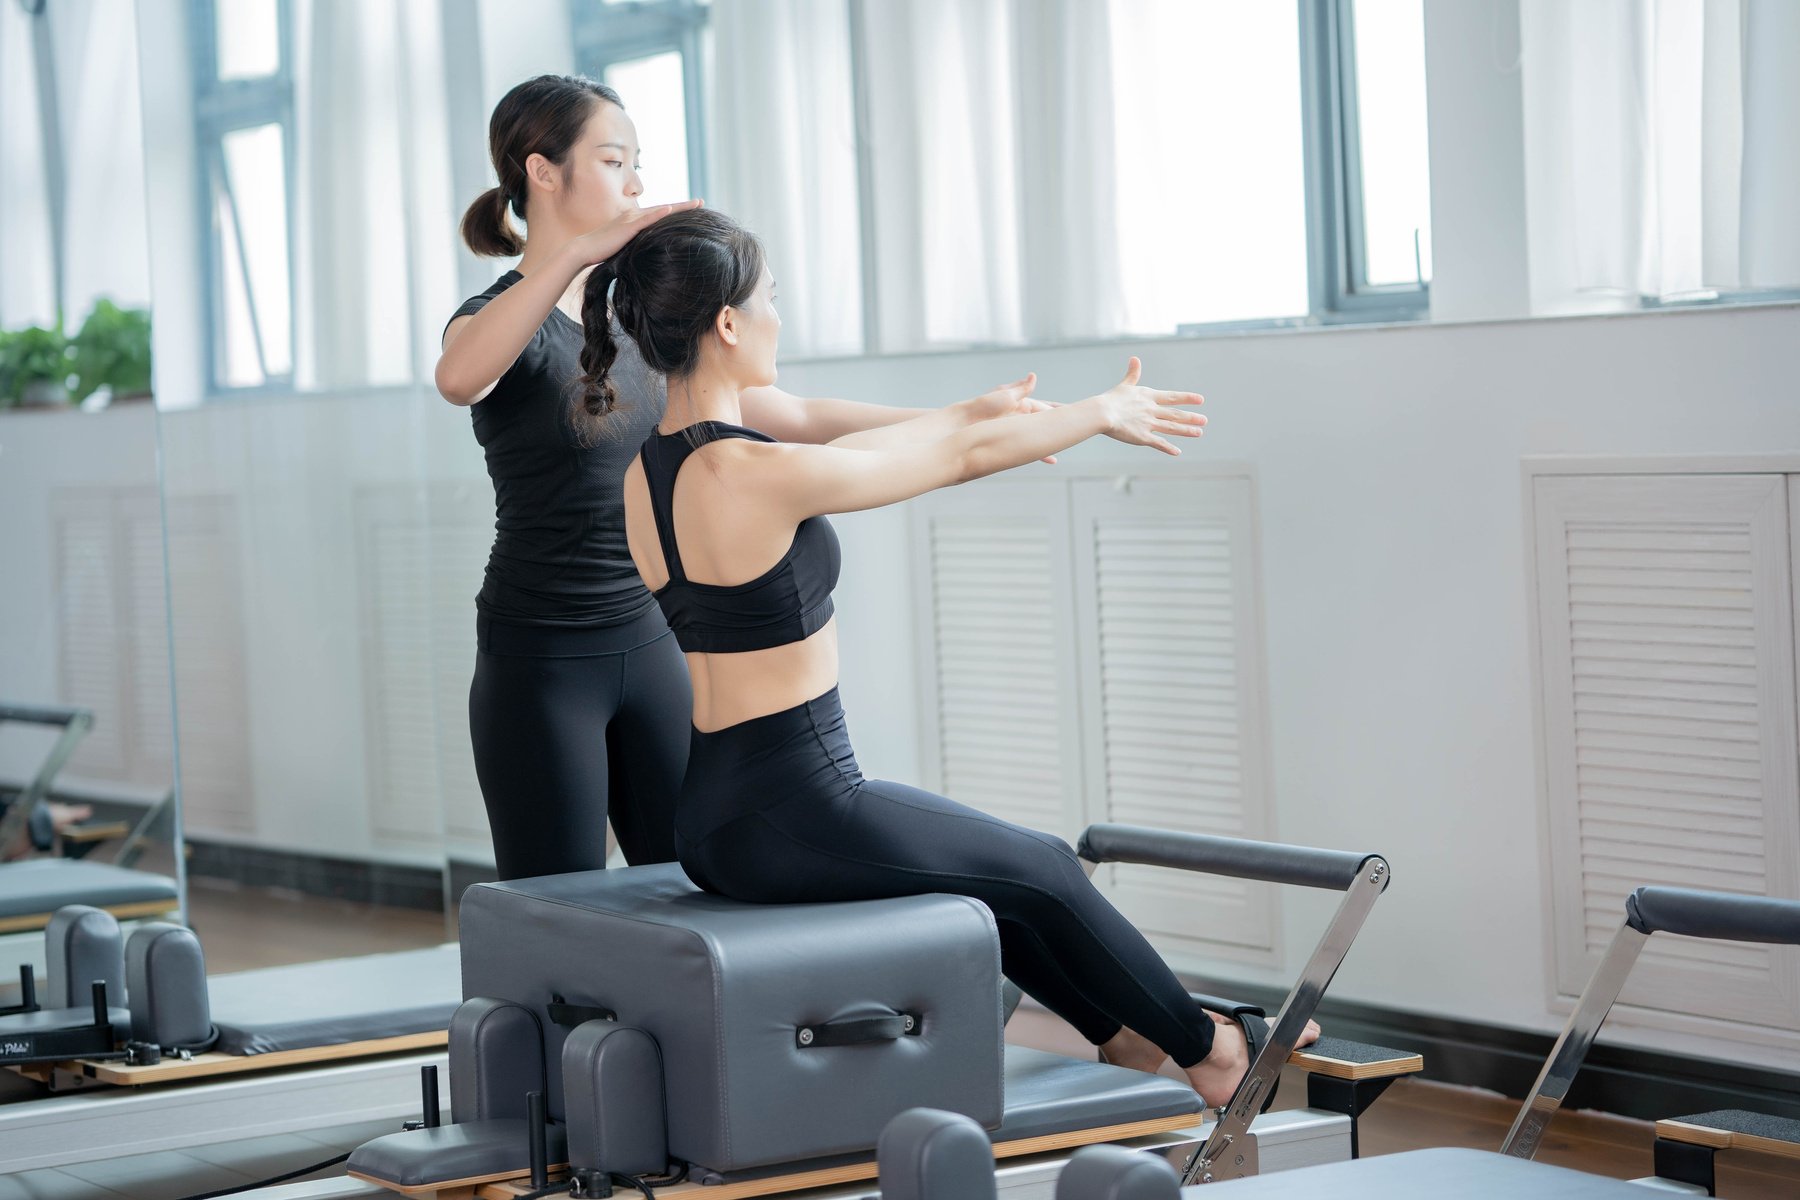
(1240, 858)
(1722, 915)
(857, 1031)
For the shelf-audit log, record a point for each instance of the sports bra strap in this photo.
(663, 456)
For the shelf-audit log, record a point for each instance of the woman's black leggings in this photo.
(774, 810)
(571, 727)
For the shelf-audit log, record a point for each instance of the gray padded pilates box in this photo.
(726, 989)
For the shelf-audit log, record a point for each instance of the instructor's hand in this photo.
(1142, 416)
(602, 243)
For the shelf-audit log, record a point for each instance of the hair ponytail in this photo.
(668, 285)
(544, 115)
(486, 229)
(596, 395)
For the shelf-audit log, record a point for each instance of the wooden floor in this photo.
(242, 928)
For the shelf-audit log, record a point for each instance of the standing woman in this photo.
(580, 703)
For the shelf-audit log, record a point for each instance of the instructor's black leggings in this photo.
(774, 810)
(571, 726)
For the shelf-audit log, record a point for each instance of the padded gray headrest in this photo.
(82, 944)
(165, 973)
(1115, 1173)
(613, 1094)
(929, 1154)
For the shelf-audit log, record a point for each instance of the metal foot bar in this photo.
(1719, 915)
(1361, 877)
(75, 722)
(1552, 1086)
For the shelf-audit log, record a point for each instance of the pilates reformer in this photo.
(32, 889)
(132, 1047)
(941, 1156)
(618, 1022)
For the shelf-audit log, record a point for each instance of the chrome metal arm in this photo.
(1547, 1094)
(1218, 1159)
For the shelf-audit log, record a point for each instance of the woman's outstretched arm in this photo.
(804, 481)
(820, 420)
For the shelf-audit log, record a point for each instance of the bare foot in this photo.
(1216, 1077)
(1127, 1048)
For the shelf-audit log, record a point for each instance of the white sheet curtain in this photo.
(783, 140)
(105, 243)
(1663, 148)
(374, 234)
(975, 107)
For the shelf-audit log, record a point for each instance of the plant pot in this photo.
(44, 393)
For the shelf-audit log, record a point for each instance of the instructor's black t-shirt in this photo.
(559, 556)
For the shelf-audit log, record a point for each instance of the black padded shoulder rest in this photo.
(1722, 915)
(1272, 862)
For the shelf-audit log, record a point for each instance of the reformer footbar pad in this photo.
(787, 1032)
(463, 1151)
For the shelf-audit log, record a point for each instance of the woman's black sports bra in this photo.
(789, 602)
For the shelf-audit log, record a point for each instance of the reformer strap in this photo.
(858, 1031)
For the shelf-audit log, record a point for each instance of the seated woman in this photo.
(739, 554)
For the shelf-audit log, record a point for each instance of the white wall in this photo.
(1393, 555)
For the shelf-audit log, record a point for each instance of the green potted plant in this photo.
(34, 366)
(112, 350)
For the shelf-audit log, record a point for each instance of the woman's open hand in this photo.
(1144, 416)
(600, 244)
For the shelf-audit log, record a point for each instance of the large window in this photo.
(1209, 163)
(1368, 180)
(650, 52)
(244, 105)
(991, 173)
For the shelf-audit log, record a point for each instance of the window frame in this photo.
(222, 107)
(1336, 254)
(605, 34)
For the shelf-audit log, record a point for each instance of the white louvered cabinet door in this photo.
(206, 587)
(462, 531)
(394, 549)
(1667, 668)
(90, 636)
(1173, 696)
(146, 618)
(999, 725)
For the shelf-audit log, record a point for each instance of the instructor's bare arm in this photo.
(479, 349)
